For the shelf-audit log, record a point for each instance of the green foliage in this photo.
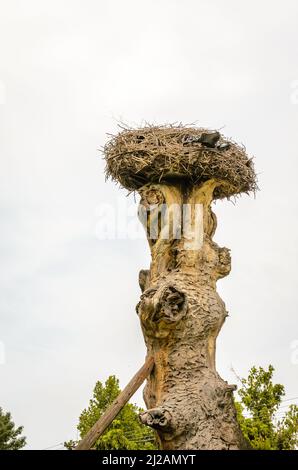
(9, 434)
(260, 400)
(256, 412)
(126, 431)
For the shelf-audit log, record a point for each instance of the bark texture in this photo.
(189, 404)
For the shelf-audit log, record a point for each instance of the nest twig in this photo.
(169, 153)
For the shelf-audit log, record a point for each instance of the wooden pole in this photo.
(105, 420)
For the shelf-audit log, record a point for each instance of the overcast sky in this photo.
(69, 70)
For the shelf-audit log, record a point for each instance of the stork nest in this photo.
(176, 153)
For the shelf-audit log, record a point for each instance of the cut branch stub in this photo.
(160, 309)
(157, 418)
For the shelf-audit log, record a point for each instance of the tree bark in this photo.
(189, 405)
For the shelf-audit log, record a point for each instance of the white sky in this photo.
(68, 71)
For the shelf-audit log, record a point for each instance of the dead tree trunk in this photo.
(181, 314)
(178, 171)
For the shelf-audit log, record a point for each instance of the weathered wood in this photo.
(188, 404)
(178, 172)
(105, 420)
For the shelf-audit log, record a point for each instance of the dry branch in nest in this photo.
(170, 153)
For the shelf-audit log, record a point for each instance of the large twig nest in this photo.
(173, 153)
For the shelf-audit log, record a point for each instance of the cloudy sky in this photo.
(69, 71)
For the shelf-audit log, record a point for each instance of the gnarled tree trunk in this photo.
(189, 404)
